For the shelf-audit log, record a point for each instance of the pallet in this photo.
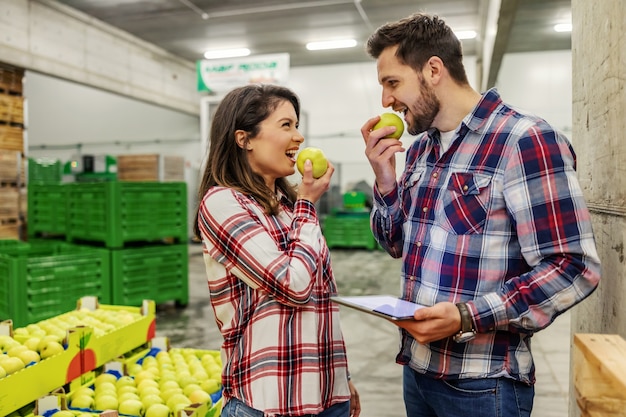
(11, 137)
(599, 362)
(11, 80)
(12, 109)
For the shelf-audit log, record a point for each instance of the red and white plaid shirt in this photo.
(270, 280)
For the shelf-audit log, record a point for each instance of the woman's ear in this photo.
(241, 137)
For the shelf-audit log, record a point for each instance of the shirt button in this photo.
(425, 209)
(418, 244)
(465, 188)
(435, 175)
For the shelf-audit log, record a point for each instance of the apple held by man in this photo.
(391, 119)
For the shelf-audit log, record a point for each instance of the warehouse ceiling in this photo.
(189, 27)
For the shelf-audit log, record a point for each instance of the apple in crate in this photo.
(157, 410)
(131, 406)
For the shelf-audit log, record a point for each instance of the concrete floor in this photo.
(372, 342)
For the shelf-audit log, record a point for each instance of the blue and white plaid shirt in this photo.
(497, 221)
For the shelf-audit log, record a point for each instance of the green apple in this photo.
(132, 407)
(82, 401)
(391, 119)
(106, 402)
(27, 356)
(12, 364)
(3, 372)
(210, 385)
(50, 349)
(105, 377)
(16, 350)
(7, 342)
(32, 343)
(318, 159)
(124, 381)
(177, 400)
(157, 410)
(148, 400)
(200, 396)
(63, 413)
(188, 389)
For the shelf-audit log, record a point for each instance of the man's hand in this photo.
(433, 323)
(381, 154)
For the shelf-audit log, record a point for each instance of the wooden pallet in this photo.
(599, 362)
(11, 80)
(11, 137)
(12, 109)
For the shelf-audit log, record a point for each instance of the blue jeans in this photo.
(488, 397)
(236, 408)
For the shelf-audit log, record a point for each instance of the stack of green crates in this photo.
(142, 226)
(44, 278)
(349, 227)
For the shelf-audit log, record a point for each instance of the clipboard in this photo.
(386, 306)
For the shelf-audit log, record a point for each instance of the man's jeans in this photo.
(236, 408)
(489, 397)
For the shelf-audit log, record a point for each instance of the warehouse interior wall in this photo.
(337, 100)
(599, 106)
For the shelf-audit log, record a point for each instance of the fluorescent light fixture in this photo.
(563, 27)
(226, 53)
(465, 34)
(343, 43)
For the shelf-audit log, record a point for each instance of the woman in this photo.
(268, 265)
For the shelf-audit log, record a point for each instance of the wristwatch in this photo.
(467, 331)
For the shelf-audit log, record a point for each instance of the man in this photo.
(489, 220)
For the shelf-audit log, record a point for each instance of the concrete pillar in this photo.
(599, 137)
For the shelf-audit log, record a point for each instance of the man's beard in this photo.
(423, 113)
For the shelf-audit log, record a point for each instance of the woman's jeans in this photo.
(489, 397)
(236, 408)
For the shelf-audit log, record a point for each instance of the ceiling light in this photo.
(343, 43)
(226, 53)
(465, 34)
(563, 27)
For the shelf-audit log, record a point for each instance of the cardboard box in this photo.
(27, 385)
(103, 349)
(150, 167)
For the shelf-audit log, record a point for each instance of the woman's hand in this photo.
(355, 402)
(311, 188)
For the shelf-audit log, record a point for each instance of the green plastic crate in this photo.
(159, 273)
(354, 199)
(48, 279)
(117, 213)
(44, 171)
(47, 209)
(348, 230)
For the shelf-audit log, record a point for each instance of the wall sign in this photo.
(219, 76)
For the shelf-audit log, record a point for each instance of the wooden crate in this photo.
(10, 166)
(12, 109)
(11, 137)
(10, 229)
(11, 80)
(138, 167)
(150, 167)
(9, 203)
(599, 362)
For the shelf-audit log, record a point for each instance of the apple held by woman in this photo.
(318, 159)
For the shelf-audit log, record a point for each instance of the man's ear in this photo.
(433, 70)
(241, 137)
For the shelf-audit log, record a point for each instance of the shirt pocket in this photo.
(465, 203)
(410, 191)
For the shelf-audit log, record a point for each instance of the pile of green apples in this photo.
(41, 340)
(100, 320)
(15, 356)
(158, 386)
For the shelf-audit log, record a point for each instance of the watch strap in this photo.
(467, 324)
